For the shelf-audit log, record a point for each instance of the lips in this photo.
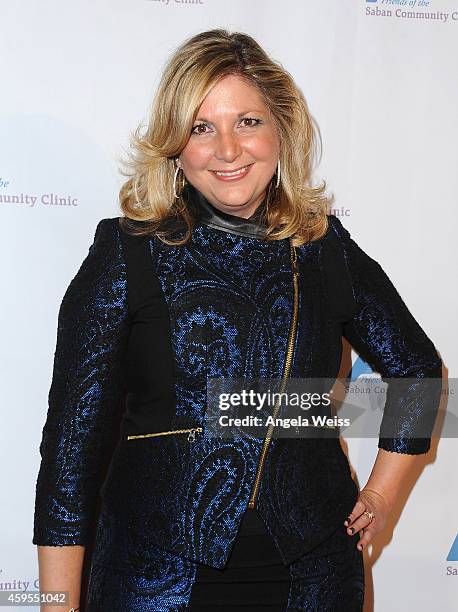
(232, 174)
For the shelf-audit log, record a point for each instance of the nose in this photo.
(228, 147)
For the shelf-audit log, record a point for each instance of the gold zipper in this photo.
(287, 367)
(191, 433)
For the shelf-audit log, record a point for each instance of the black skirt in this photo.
(254, 578)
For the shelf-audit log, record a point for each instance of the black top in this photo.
(255, 568)
(254, 559)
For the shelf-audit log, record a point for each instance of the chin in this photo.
(233, 197)
(239, 205)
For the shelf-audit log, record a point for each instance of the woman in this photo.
(224, 265)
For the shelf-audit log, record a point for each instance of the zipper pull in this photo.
(294, 259)
(192, 435)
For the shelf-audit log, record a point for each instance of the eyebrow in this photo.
(253, 110)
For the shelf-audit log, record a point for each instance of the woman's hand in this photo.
(368, 501)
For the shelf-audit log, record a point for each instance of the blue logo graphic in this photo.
(359, 368)
(453, 554)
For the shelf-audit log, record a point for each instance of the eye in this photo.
(199, 125)
(258, 121)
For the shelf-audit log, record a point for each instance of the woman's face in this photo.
(233, 130)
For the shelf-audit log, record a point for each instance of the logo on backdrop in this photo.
(453, 554)
(183, 2)
(65, 166)
(414, 10)
(340, 211)
(452, 570)
(21, 198)
(359, 368)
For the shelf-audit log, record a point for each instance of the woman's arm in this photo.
(60, 569)
(386, 335)
(86, 388)
(389, 473)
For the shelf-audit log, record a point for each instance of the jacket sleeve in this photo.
(86, 386)
(386, 335)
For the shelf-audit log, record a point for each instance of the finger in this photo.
(362, 522)
(358, 509)
(366, 538)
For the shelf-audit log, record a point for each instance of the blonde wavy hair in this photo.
(294, 209)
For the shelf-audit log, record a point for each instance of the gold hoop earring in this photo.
(277, 184)
(177, 196)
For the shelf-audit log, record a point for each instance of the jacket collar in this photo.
(209, 215)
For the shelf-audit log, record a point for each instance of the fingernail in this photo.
(359, 547)
(352, 529)
(349, 518)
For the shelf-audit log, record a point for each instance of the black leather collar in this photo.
(207, 214)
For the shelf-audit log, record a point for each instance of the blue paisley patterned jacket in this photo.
(223, 304)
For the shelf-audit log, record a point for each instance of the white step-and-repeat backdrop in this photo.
(380, 79)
